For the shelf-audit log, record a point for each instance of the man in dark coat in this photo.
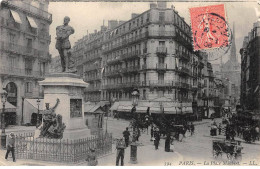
(167, 146)
(120, 146)
(126, 135)
(157, 138)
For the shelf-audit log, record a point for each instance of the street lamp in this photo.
(38, 114)
(3, 135)
(133, 151)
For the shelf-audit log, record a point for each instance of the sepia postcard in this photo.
(130, 83)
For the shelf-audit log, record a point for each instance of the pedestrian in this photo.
(219, 129)
(10, 146)
(257, 132)
(126, 135)
(167, 147)
(152, 130)
(138, 134)
(157, 138)
(92, 158)
(120, 146)
(181, 133)
(192, 128)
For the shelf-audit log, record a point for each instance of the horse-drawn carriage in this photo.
(231, 148)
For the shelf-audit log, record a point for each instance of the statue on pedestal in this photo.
(52, 126)
(63, 45)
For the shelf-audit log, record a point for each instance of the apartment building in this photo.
(88, 54)
(152, 52)
(24, 53)
(250, 70)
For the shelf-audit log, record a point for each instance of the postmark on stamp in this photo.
(209, 27)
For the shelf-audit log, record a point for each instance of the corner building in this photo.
(24, 57)
(153, 53)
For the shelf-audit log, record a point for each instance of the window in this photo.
(12, 62)
(161, 16)
(42, 68)
(28, 66)
(148, 17)
(161, 77)
(28, 87)
(12, 40)
(29, 45)
(161, 43)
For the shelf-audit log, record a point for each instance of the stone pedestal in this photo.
(69, 89)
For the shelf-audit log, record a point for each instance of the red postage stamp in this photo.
(209, 27)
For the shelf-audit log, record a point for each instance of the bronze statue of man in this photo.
(62, 42)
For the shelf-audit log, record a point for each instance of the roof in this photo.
(92, 108)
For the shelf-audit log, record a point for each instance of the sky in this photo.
(88, 16)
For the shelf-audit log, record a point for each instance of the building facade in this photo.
(88, 54)
(230, 73)
(24, 49)
(151, 52)
(250, 70)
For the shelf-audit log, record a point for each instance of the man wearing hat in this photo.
(10, 146)
(120, 146)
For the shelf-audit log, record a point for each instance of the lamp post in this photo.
(133, 151)
(38, 114)
(3, 135)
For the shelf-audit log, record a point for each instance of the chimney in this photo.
(153, 5)
(134, 15)
(162, 5)
(112, 24)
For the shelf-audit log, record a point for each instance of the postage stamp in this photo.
(209, 27)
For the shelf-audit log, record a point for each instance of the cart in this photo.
(231, 148)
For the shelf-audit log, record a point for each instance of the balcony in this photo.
(92, 67)
(113, 73)
(183, 85)
(161, 67)
(158, 83)
(10, 24)
(162, 51)
(92, 89)
(17, 72)
(29, 8)
(131, 55)
(182, 55)
(131, 69)
(183, 70)
(19, 49)
(92, 78)
(114, 60)
(92, 57)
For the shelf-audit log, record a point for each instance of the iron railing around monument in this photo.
(61, 150)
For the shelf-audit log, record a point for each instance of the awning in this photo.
(93, 109)
(88, 107)
(140, 109)
(188, 110)
(32, 22)
(169, 110)
(114, 107)
(155, 110)
(16, 16)
(122, 108)
(34, 103)
(8, 107)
